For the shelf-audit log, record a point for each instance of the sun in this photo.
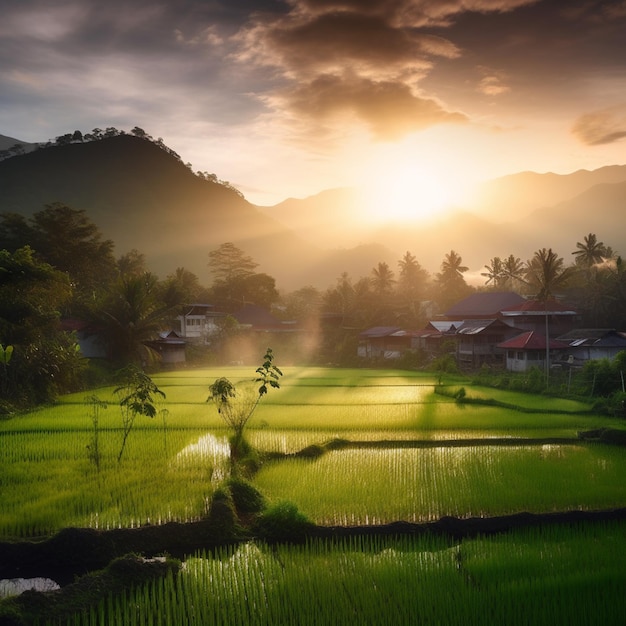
(406, 193)
(411, 182)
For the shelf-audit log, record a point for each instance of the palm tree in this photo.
(495, 272)
(131, 317)
(383, 279)
(452, 266)
(513, 270)
(450, 282)
(545, 272)
(590, 251)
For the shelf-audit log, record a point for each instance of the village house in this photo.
(170, 346)
(592, 343)
(528, 350)
(386, 342)
(198, 322)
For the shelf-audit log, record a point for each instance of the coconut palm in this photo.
(450, 283)
(546, 273)
(590, 251)
(495, 272)
(383, 279)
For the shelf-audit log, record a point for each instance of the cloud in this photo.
(493, 82)
(601, 127)
(389, 109)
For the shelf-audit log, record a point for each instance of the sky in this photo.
(286, 98)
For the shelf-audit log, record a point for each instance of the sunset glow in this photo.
(274, 96)
(405, 193)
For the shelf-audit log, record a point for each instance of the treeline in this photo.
(98, 133)
(57, 267)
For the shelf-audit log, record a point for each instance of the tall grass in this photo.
(558, 576)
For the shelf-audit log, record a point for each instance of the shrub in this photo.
(246, 498)
(312, 452)
(446, 364)
(283, 522)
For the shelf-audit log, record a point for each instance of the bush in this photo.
(312, 452)
(246, 498)
(283, 522)
(446, 364)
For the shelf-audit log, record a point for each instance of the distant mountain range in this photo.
(142, 196)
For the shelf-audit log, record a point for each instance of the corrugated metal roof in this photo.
(530, 340)
(380, 331)
(537, 307)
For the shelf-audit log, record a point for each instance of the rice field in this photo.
(379, 486)
(549, 576)
(172, 463)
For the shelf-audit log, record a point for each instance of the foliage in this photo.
(237, 404)
(446, 363)
(44, 360)
(96, 406)
(246, 497)
(131, 317)
(66, 239)
(136, 393)
(282, 522)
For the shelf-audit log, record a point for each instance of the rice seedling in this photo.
(376, 486)
(556, 576)
(48, 476)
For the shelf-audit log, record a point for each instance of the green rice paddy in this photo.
(550, 575)
(173, 462)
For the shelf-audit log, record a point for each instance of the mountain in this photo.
(533, 211)
(143, 197)
(510, 198)
(6, 143)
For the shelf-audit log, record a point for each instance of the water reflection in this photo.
(216, 450)
(15, 586)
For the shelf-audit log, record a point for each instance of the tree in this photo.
(132, 263)
(132, 316)
(45, 360)
(236, 404)
(495, 272)
(546, 274)
(229, 263)
(513, 270)
(68, 240)
(137, 395)
(590, 251)
(234, 280)
(449, 281)
(413, 277)
(383, 280)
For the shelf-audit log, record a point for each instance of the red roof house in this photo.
(527, 350)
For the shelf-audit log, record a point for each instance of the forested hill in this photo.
(142, 196)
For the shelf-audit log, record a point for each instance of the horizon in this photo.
(287, 99)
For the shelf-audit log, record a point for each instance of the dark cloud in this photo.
(601, 127)
(389, 109)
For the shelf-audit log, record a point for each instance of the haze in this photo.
(287, 98)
